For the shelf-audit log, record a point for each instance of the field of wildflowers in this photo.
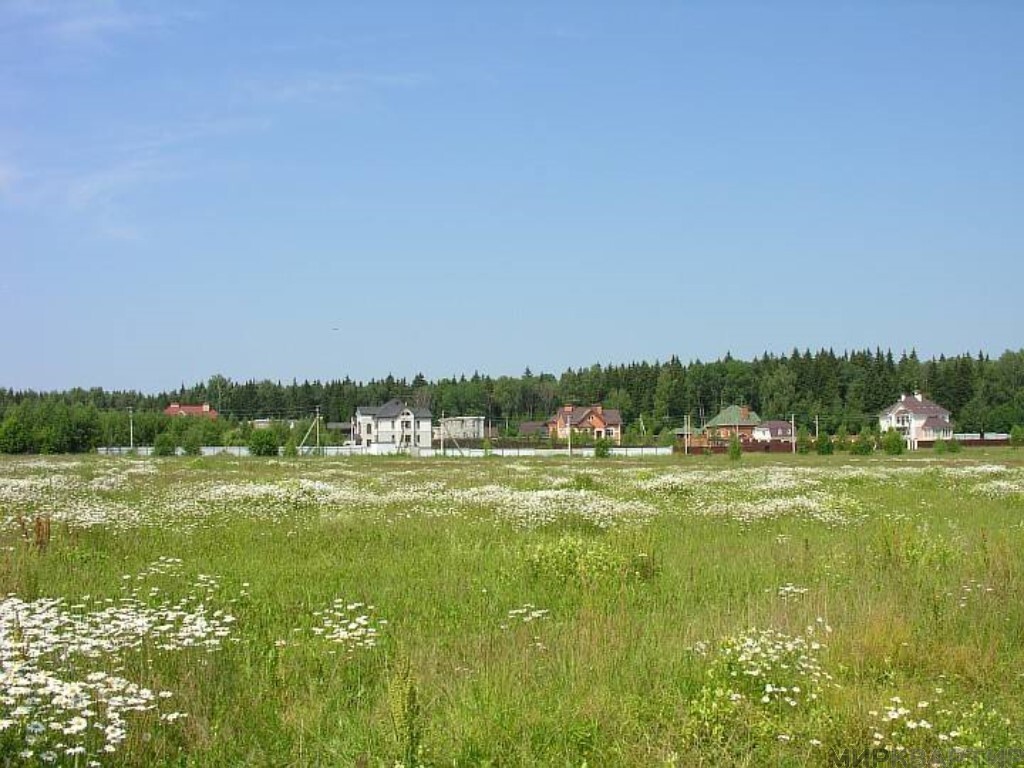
(674, 611)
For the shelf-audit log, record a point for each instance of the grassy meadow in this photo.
(680, 611)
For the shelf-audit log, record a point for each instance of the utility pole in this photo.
(131, 429)
(568, 427)
(815, 427)
(686, 436)
(318, 430)
(442, 433)
(792, 431)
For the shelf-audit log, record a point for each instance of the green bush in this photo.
(666, 438)
(803, 440)
(1017, 436)
(842, 439)
(602, 448)
(290, 449)
(193, 443)
(233, 437)
(263, 442)
(864, 445)
(164, 445)
(941, 446)
(735, 448)
(823, 445)
(893, 442)
(953, 446)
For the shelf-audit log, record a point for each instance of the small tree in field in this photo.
(803, 440)
(735, 448)
(1017, 436)
(842, 441)
(892, 442)
(824, 445)
(164, 445)
(602, 448)
(193, 442)
(864, 445)
(263, 442)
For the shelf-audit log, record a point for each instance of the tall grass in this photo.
(511, 637)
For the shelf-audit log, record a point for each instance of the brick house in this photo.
(593, 420)
(734, 420)
(204, 410)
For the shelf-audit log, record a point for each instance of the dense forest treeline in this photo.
(849, 389)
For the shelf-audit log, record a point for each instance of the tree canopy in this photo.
(845, 391)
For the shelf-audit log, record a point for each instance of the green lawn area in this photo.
(777, 610)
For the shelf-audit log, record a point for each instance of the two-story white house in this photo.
(393, 423)
(916, 418)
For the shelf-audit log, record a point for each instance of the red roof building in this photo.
(204, 410)
(593, 420)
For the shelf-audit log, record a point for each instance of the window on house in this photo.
(369, 429)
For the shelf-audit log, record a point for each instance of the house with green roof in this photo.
(734, 420)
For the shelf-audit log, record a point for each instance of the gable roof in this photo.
(392, 409)
(611, 416)
(176, 409)
(531, 427)
(735, 416)
(918, 405)
(777, 428)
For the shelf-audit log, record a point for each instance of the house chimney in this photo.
(599, 408)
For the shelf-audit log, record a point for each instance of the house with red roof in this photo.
(594, 420)
(204, 410)
(917, 418)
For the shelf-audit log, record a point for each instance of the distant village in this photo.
(397, 426)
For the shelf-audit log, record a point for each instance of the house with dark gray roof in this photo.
(774, 431)
(394, 423)
(917, 418)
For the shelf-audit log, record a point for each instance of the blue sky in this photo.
(190, 189)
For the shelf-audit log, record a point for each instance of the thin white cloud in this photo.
(103, 187)
(98, 186)
(81, 25)
(315, 86)
(157, 138)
